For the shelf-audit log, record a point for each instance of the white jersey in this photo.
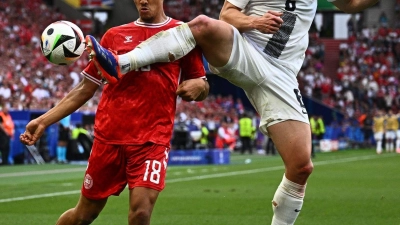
(289, 44)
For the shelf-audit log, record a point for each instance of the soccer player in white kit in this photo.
(259, 46)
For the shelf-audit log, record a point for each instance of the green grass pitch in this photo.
(352, 187)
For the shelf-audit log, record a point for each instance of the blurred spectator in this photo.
(391, 127)
(366, 125)
(181, 134)
(383, 20)
(225, 137)
(317, 131)
(270, 147)
(4, 143)
(246, 133)
(378, 128)
(204, 140)
(8, 127)
(81, 142)
(63, 139)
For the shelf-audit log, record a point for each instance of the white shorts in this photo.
(390, 134)
(378, 136)
(272, 88)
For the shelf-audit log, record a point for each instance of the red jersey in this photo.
(140, 107)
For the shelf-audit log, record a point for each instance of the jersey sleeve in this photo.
(239, 3)
(90, 72)
(192, 65)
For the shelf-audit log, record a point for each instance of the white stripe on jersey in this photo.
(88, 76)
(152, 25)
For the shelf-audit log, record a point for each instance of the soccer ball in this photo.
(62, 42)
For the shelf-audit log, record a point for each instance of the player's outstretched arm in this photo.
(269, 23)
(69, 104)
(353, 6)
(193, 89)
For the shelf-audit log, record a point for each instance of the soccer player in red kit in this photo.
(134, 121)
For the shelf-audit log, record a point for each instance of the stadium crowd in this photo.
(186, 10)
(368, 72)
(27, 79)
(367, 77)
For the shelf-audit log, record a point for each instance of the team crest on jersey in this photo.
(88, 182)
(128, 39)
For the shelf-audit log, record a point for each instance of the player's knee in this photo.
(201, 25)
(305, 169)
(139, 215)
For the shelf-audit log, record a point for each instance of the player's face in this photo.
(150, 11)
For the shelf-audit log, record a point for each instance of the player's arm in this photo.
(195, 86)
(193, 89)
(353, 6)
(69, 104)
(231, 13)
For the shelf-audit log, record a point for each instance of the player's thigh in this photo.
(147, 166)
(215, 37)
(244, 67)
(276, 96)
(105, 174)
(293, 142)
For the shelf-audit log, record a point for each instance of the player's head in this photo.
(150, 11)
(4, 109)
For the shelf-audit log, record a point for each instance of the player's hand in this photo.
(34, 130)
(189, 90)
(269, 23)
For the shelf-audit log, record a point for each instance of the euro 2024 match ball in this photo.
(62, 42)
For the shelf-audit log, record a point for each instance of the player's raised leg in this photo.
(105, 60)
(213, 36)
(293, 141)
(85, 212)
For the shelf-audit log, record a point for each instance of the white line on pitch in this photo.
(202, 177)
(40, 196)
(42, 172)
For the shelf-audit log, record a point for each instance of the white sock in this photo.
(165, 46)
(379, 147)
(397, 143)
(387, 147)
(287, 202)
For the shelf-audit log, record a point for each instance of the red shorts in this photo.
(111, 167)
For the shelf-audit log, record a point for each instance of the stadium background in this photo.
(351, 66)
